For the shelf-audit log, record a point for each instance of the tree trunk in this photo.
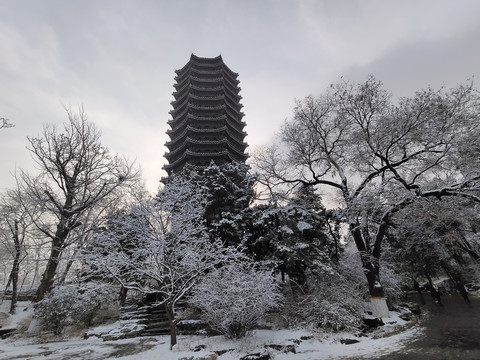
(13, 303)
(371, 267)
(447, 269)
(372, 273)
(15, 269)
(465, 245)
(14, 278)
(66, 271)
(370, 263)
(9, 282)
(46, 283)
(171, 322)
(37, 266)
(123, 295)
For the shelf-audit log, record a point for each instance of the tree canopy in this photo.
(378, 155)
(76, 177)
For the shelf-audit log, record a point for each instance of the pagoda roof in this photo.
(190, 129)
(184, 146)
(194, 154)
(194, 59)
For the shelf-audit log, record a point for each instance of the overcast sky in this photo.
(117, 59)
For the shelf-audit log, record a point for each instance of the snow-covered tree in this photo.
(379, 156)
(291, 238)
(229, 192)
(123, 226)
(76, 174)
(431, 239)
(168, 247)
(234, 297)
(230, 189)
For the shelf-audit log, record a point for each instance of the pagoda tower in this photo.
(206, 122)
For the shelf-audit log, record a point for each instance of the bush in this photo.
(335, 299)
(332, 303)
(234, 297)
(72, 304)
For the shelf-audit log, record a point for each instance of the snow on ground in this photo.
(308, 345)
(24, 309)
(311, 349)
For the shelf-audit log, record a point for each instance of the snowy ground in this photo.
(308, 346)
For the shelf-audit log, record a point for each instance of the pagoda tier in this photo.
(206, 122)
(214, 134)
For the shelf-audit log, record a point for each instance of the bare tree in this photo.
(76, 174)
(14, 224)
(379, 156)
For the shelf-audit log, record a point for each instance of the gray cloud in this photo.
(117, 58)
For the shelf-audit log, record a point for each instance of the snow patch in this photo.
(308, 345)
(302, 225)
(286, 229)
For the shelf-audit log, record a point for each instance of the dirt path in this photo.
(452, 331)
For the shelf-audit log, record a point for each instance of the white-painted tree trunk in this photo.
(379, 307)
(34, 328)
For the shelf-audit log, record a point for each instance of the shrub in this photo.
(335, 297)
(332, 303)
(72, 304)
(234, 297)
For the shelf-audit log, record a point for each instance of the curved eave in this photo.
(223, 85)
(222, 108)
(238, 136)
(193, 154)
(219, 98)
(200, 60)
(188, 117)
(200, 102)
(178, 123)
(205, 73)
(206, 62)
(189, 153)
(184, 146)
(189, 141)
(191, 78)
